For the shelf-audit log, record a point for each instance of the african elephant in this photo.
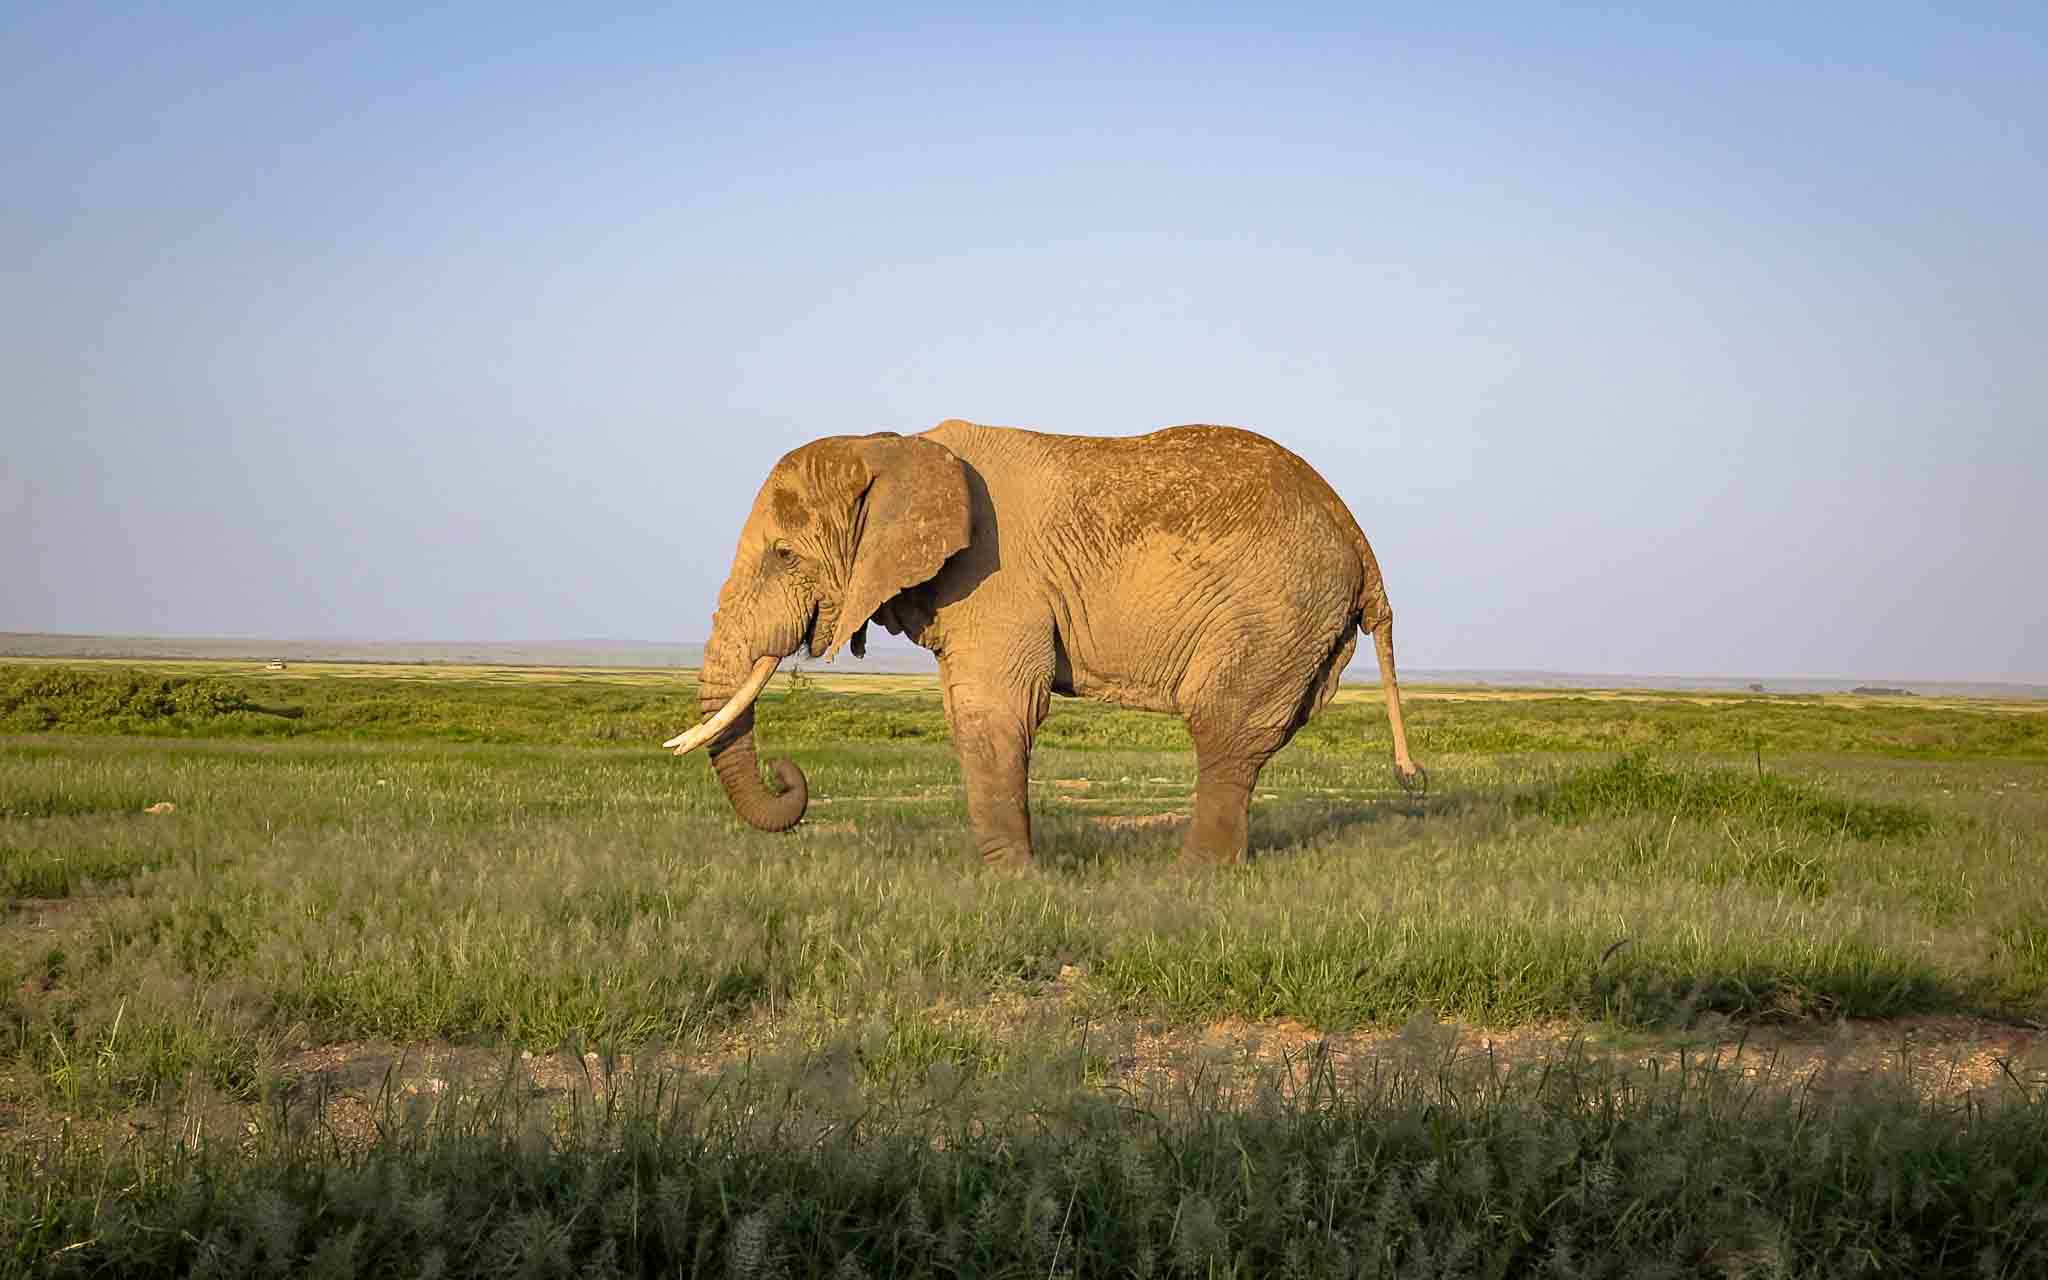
(1201, 570)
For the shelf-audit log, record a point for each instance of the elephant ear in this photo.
(913, 516)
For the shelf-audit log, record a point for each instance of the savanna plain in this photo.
(424, 970)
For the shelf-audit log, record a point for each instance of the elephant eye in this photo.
(784, 556)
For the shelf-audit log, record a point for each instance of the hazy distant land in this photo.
(884, 656)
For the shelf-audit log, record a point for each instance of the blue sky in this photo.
(1698, 339)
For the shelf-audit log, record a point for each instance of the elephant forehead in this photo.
(823, 471)
(789, 508)
(807, 486)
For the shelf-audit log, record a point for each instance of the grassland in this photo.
(364, 869)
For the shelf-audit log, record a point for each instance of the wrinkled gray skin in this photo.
(1200, 570)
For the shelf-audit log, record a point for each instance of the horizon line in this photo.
(907, 648)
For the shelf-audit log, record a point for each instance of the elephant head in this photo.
(839, 527)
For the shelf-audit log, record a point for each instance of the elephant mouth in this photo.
(818, 630)
(808, 640)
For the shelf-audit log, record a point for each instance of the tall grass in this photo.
(1573, 1168)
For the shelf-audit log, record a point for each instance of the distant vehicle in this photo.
(273, 666)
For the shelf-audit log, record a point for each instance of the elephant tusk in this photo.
(734, 708)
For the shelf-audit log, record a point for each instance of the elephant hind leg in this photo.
(1229, 754)
(1246, 697)
(1225, 779)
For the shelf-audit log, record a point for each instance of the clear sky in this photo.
(1704, 339)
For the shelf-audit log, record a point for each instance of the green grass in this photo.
(556, 708)
(1572, 1169)
(526, 895)
(515, 866)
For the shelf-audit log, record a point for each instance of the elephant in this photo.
(1202, 570)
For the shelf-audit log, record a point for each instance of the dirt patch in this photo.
(1942, 1058)
(354, 1089)
(54, 915)
(34, 928)
(371, 1068)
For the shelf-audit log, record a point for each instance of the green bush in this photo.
(74, 698)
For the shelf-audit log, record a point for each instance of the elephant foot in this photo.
(1007, 855)
(1213, 855)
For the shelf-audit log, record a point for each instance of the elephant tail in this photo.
(1409, 774)
(1375, 618)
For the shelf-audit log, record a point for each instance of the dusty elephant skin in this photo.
(1201, 570)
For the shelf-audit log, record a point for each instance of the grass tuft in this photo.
(1636, 784)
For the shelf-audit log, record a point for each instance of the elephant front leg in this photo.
(995, 766)
(992, 731)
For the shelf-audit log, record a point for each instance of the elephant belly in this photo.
(1130, 639)
(1105, 684)
(1239, 632)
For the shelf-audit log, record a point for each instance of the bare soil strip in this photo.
(352, 1084)
(1944, 1059)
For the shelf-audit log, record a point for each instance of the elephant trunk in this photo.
(732, 751)
(740, 774)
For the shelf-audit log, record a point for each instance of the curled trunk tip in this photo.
(739, 772)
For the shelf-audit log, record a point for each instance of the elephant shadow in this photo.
(1283, 829)
(1073, 841)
